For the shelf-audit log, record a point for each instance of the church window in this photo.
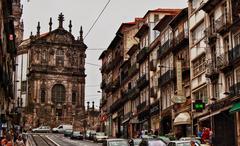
(60, 58)
(74, 97)
(43, 96)
(58, 93)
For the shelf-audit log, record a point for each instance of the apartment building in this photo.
(147, 35)
(214, 39)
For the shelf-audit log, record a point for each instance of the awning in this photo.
(182, 118)
(235, 108)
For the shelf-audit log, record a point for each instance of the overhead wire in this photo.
(97, 18)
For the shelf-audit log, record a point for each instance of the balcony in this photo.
(211, 34)
(117, 60)
(103, 84)
(109, 67)
(116, 105)
(116, 84)
(235, 54)
(109, 87)
(211, 70)
(133, 69)
(180, 40)
(142, 82)
(132, 93)
(142, 55)
(235, 89)
(166, 77)
(153, 65)
(222, 62)
(186, 66)
(103, 100)
(141, 106)
(103, 68)
(221, 23)
(163, 49)
(153, 92)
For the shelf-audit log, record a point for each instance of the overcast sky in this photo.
(84, 12)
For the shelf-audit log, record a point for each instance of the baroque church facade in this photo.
(55, 76)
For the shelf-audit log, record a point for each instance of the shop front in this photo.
(114, 124)
(143, 118)
(166, 122)
(182, 125)
(154, 117)
(126, 125)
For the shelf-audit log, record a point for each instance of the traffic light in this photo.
(198, 105)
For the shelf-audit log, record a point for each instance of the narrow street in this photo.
(60, 140)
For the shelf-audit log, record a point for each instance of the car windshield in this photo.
(156, 143)
(100, 134)
(118, 143)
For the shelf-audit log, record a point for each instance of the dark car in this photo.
(68, 132)
(152, 142)
(135, 142)
(115, 142)
(77, 135)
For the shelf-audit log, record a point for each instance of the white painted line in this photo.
(53, 141)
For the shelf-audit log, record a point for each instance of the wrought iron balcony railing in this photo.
(142, 81)
(166, 77)
(164, 48)
(132, 93)
(142, 54)
(141, 106)
(211, 69)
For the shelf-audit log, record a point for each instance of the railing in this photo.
(153, 64)
(211, 69)
(235, 89)
(221, 22)
(222, 60)
(116, 105)
(142, 81)
(132, 93)
(166, 77)
(236, 53)
(164, 48)
(180, 37)
(133, 69)
(141, 106)
(142, 54)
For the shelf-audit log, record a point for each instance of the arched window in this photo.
(58, 93)
(43, 96)
(60, 58)
(74, 97)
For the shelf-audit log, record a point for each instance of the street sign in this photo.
(198, 105)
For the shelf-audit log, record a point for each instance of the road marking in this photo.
(52, 141)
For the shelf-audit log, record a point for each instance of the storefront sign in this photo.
(179, 98)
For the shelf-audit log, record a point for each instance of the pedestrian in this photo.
(19, 141)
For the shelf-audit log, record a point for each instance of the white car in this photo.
(62, 128)
(99, 137)
(42, 129)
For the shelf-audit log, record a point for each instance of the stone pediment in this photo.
(59, 36)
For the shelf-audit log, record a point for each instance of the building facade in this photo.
(55, 81)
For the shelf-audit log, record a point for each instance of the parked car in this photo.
(68, 132)
(61, 128)
(182, 143)
(89, 134)
(164, 139)
(135, 141)
(115, 142)
(152, 142)
(42, 129)
(76, 135)
(99, 137)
